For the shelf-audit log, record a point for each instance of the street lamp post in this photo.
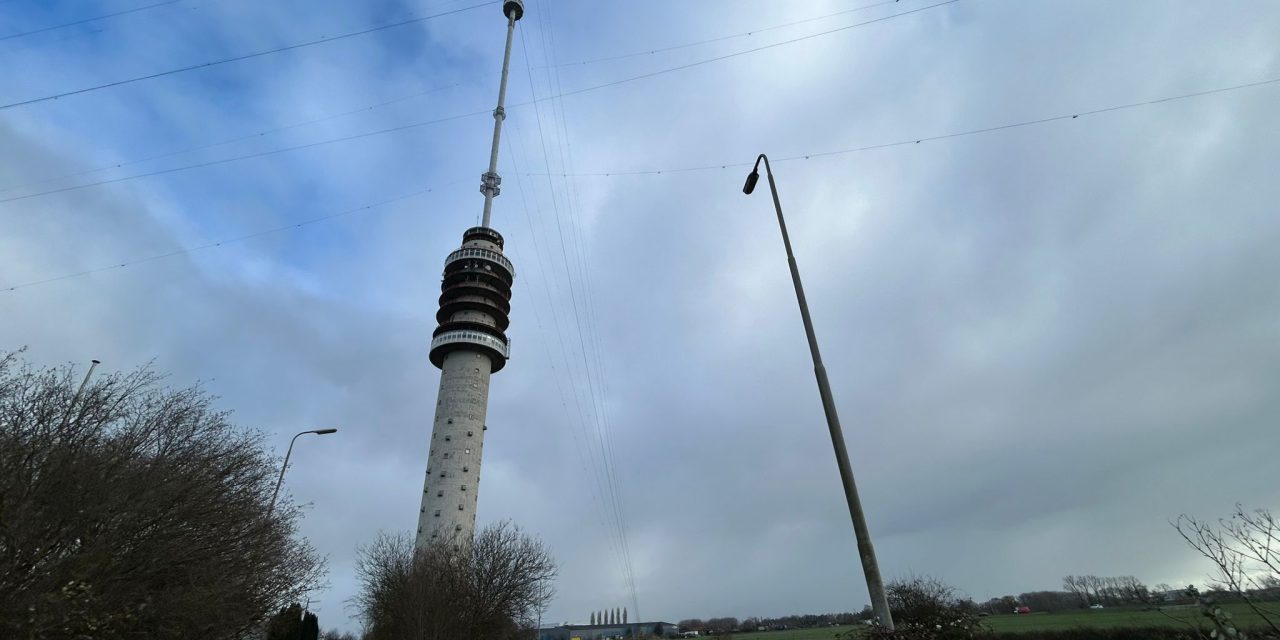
(319, 432)
(66, 416)
(870, 568)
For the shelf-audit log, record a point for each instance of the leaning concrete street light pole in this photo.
(319, 432)
(870, 568)
(66, 416)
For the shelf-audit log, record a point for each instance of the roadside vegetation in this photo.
(129, 509)
(494, 586)
(1241, 603)
(1178, 621)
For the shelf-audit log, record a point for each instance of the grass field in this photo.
(1103, 618)
(1115, 618)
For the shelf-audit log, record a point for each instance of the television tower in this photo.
(469, 344)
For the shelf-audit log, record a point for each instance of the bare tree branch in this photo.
(494, 586)
(1240, 549)
(143, 513)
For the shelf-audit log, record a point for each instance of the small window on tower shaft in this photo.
(448, 438)
(437, 513)
(465, 469)
(468, 450)
(459, 507)
(470, 433)
(440, 493)
(446, 455)
(464, 487)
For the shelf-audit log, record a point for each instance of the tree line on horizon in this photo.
(800, 621)
(1078, 592)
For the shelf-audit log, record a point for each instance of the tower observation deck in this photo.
(469, 344)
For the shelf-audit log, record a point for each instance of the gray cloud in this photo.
(1045, 342)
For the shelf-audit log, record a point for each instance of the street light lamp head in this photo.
(755, 175)
(324, 432)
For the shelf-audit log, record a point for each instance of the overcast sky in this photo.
(1045, 341)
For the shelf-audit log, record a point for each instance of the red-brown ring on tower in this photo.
(482, 260)
(472, 303)
(476, 284)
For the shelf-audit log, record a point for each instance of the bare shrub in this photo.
(494, 586)
(136, 512)
(926, 608)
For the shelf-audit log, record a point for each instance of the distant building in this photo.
(602, 631)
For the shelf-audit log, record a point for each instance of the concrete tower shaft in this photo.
(469, 344)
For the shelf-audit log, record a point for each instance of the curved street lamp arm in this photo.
(280, 480)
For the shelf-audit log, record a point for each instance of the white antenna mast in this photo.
(490, 181)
